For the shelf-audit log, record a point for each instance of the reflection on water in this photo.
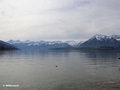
(36, 70)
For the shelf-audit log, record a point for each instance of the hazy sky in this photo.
(58, 19)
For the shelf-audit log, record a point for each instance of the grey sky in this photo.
(58, 19)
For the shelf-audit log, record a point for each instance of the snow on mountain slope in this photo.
(117, 37)
(36, 43)
(14, 41)
(72, 43)
(39, 44)
(101, 37)
(99, 40)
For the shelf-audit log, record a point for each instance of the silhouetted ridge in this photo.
(6, 46)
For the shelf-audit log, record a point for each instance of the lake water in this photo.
(57, 70)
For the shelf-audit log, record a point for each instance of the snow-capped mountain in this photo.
(81, 42)
(38, 44)
(101, 37)
(6, 46)
(98, 41)
(73, 43)
(14, 41)
(28, 42)
(117, 37)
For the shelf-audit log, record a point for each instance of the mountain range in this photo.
(44, 44)
(98, 41)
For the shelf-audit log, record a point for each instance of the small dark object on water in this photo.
(119, 58)
(56, 66)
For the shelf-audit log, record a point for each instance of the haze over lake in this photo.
(57, 70)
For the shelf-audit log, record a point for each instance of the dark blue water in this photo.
(57, 70)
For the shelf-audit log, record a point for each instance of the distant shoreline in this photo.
(87, 48)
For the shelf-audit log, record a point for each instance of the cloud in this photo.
(56, 19)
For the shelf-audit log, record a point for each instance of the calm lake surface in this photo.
(57, 70)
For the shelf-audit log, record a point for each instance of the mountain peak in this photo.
(101, 37)
(14, 41)
(99, 40)
(117, 37)
(98, 37)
